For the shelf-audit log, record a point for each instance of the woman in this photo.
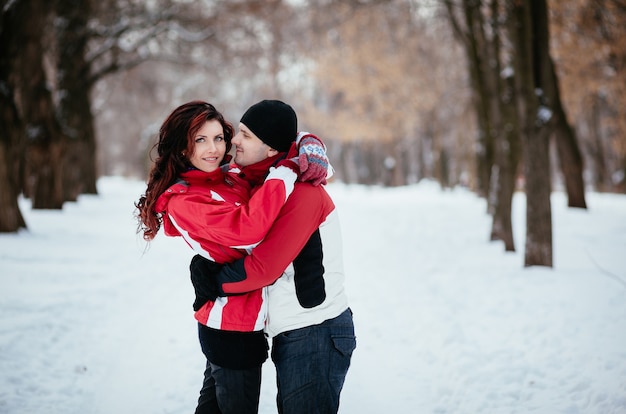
(191, 193)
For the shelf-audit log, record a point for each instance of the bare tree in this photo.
(480, 54)
(477, 24)
(94, 40)
(51, 75)
(74, 103)
(382, 77)
(571, 162)
(221, 53)
(11, 128)
(589, 51)
(45, 143)
(528, 29)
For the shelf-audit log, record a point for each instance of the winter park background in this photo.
(92, 322)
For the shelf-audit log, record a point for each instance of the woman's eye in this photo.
(219, 139)
(199, 139)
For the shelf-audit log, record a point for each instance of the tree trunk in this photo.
(398, 177)
(601, 181)
(507, 162)
(44, 162)
(538, 207)
(11, 128)
(526, 40)
(474, 41)
(11, 219)
(570, 159)
(505, 131)
(497, 157)
(75, 116)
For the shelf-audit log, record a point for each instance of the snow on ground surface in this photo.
(92, 322)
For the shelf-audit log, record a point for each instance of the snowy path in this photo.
(446, 322)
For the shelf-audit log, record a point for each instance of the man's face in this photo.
(249, 149)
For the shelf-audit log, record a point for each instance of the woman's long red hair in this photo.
(174, 147)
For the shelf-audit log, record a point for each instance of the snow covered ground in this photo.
(93, 323)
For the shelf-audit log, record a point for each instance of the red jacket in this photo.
(300, 261)
(218, 219)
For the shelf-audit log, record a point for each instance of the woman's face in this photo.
(209, 147)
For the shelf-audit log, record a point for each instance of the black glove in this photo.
(203, 279)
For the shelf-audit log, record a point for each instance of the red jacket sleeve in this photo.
(229, 225)
(303, 213)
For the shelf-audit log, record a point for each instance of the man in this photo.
(300, 260)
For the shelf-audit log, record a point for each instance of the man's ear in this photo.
(271, 152)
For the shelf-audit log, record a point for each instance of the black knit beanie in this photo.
(274, 122)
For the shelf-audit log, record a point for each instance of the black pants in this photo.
(229, 391)
(232, 378)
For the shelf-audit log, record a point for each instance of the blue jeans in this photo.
(311, 365)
